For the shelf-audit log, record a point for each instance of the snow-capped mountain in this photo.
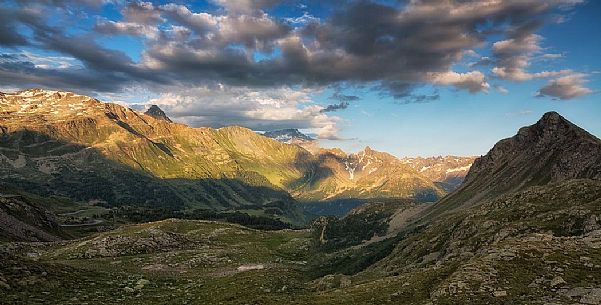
(294, 136)
(289, 136)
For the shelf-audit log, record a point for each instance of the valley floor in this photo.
(540, 246)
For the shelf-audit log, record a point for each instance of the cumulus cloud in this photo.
(245, 6)
(512, 56)
(239, 44)
(473, 81)
(143, 13)
(129, 28)
(395, 48)
(566, 87)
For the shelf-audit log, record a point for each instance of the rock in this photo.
(143, 282)
(128, 289)
(593, 297)
(251, 267)
(499, 293)
(556, 281)
(577, 292)
(345, 282)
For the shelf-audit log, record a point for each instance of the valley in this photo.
(102, 204)
(270, 152)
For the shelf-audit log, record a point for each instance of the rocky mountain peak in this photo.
(288, 135)
(550, 123)
(551, 150)
(157, 113)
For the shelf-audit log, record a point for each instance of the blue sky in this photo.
(397, 76)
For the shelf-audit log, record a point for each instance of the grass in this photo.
(205, 270)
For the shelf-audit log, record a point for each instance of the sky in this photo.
(419, 77)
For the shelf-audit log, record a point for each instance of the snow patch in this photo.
(350, 169)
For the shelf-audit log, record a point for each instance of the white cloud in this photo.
(306, 18)
(473, 81)
(566, 87)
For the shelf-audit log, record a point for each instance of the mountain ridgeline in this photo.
(62, 144)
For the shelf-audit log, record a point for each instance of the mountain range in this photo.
(65, 144)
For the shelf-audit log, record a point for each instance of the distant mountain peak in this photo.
(288, 135)
(157, 113)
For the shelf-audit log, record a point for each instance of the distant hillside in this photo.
(366, 174)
